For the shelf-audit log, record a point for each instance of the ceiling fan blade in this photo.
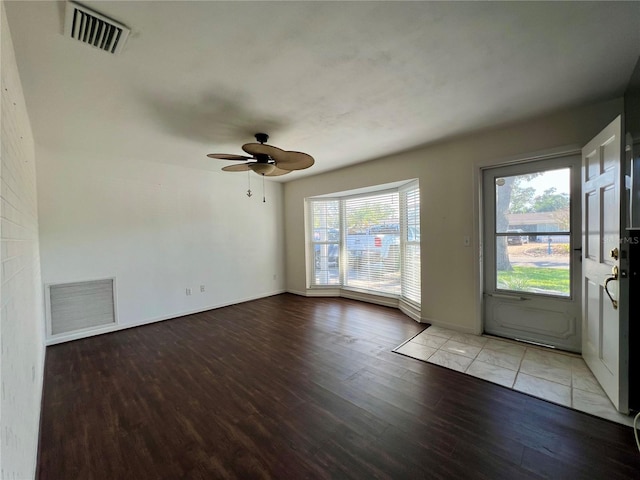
(276, 172)
(294, 160)
(262, 149)
(243, 167)
(227, 156)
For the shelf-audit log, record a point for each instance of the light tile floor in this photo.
(558, 377)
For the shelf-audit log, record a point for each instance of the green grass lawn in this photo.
(531, 279)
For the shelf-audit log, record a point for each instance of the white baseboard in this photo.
(324, 292)
(67, 337)
(369, 298)
(451, 326)
(297, 292)
(410, 311)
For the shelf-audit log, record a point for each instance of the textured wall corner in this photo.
(21, 311)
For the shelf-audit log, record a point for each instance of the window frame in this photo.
(313, 243)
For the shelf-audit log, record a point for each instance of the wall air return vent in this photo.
(80, 305)
(90, 27)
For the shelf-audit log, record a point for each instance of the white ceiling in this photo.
(344, 81)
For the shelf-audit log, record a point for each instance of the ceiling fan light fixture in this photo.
(262, 168)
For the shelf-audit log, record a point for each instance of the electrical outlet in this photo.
(201, 288)
(188, 291)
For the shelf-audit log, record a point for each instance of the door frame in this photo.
(478, 220)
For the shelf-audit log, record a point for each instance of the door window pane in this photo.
(533, 232)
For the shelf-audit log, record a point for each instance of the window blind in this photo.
(410, 243)
(372, 243)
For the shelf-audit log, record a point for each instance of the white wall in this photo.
(21, 316)
(159, 229)
(446, 172)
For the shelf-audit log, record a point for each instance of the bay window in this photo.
(367, 242)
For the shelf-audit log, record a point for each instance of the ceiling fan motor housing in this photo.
(262, 137)
(262, 168)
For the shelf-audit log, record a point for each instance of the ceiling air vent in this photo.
(94, 29)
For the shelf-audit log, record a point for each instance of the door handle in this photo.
(614, 276)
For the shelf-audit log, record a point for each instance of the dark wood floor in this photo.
(289, 387)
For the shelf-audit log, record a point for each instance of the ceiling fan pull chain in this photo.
(249, 179)
(264, 199)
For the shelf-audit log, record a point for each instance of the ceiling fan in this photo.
(266, 160)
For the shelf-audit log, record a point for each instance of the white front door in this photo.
(532, 272)
(603, 327)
